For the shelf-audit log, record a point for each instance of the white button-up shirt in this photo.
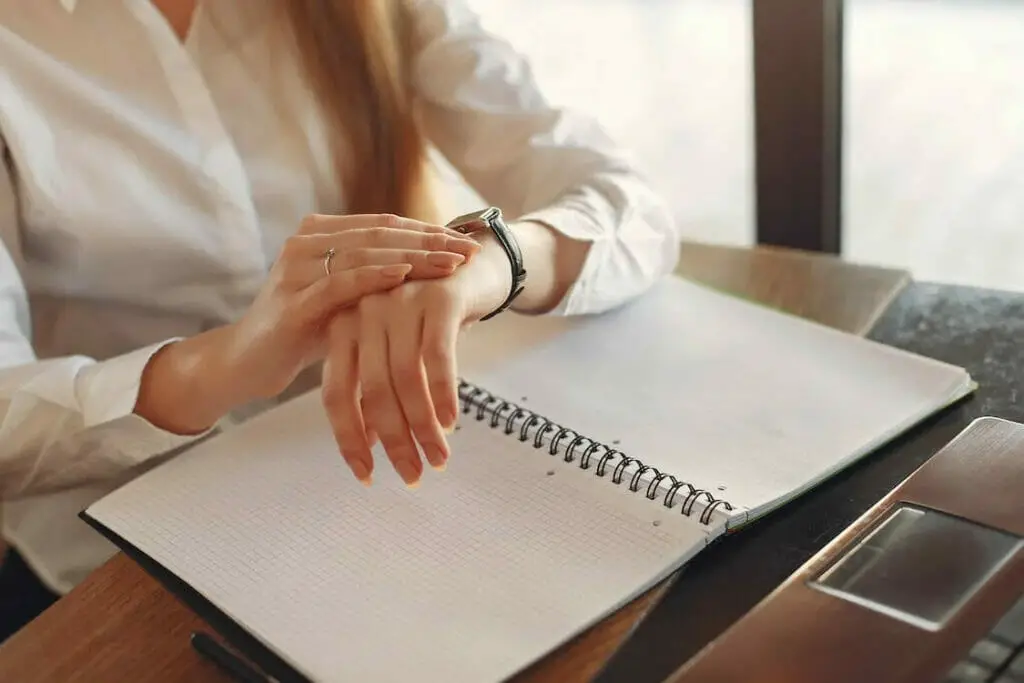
(148, 184)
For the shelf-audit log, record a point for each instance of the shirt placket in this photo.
(221, 162)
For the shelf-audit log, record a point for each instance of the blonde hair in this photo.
(355, 54)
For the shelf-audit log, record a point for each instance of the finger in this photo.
(425, 264)
(382, 411)
(341, 290)
(322, 223)
(410, 383)
(339, 393)
(371, 434)
(440, 331)
(305, 260)
(314, 246)
(372, 437)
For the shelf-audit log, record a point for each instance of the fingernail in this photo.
(409, 473)
(447, 419)
(361, 472)
(444, 259)
(448, 423)
(461, 244)
(436, 457)
(397, 270)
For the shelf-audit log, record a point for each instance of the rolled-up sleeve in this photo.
(483, 110)
(66, 421)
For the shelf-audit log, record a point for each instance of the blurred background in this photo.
(933, 150)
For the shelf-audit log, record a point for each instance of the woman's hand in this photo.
(390, 370)
(285, 328)
(189, 385)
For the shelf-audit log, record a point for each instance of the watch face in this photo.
(467, 219)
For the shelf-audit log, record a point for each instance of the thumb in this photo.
(345, 288)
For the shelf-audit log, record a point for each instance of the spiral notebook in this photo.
(594, 457)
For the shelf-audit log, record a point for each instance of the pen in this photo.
(227, 662)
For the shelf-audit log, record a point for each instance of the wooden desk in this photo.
(120, 625)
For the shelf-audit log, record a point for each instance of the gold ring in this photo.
(328, 257)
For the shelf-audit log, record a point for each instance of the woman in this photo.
(200, 200)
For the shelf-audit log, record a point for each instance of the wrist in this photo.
(493, 280)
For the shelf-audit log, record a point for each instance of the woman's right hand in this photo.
(191, 384)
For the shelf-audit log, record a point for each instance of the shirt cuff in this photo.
(107, 393)
(576, 225)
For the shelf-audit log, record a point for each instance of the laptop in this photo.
(926, 587)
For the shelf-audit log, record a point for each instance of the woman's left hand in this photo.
(390, 370)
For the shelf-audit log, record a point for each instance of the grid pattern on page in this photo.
(479, 572)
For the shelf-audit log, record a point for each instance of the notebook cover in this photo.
(232, 632)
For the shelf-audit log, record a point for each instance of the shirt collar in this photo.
(69, 5)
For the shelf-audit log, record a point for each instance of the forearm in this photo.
(553, 262)
(72, 420)
(187, 386)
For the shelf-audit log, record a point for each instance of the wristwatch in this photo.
(491, 219)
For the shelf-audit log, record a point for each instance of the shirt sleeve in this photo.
(482, 110)
(67, 421)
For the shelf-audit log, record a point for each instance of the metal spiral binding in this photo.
(514, 418)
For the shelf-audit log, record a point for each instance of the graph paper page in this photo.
(479, 572)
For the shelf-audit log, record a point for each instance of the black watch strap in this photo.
(492, 219)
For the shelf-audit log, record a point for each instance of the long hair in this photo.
(355, 54)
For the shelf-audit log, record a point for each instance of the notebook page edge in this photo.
(669, 570)
(957, 392)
